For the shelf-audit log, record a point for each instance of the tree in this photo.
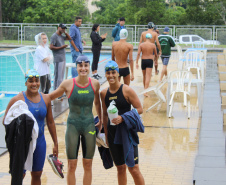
(42, 11)
(144, 11)
(109, 11)
(12, 10)
(175, 16)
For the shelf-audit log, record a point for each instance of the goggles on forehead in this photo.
(31, 76)
(80, 61)
(108, 68)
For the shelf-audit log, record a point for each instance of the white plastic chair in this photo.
(197, 44)
(180, 79)
(181, 57)
(193, 60)
(158, 92)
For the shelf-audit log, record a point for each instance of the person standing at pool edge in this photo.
(166, 42)
(96, 47)
(124, 97)
(118, 27)
(77, 48)
(147, 48)
(82, 92)
(42, 59)
(58, 46)
(120, 51)
(40, 106)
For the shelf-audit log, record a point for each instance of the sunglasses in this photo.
(80, 61)
(110, 68)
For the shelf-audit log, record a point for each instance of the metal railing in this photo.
(23, 33)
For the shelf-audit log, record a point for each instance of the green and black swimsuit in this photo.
(80, 122)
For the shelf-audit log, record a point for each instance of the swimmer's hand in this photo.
(99, 125)
(132, 77)
(117, 120)
(137, 66)
(55, 150)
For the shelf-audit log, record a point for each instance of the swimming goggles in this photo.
(108, 68)
(31, 76)
(80, 61)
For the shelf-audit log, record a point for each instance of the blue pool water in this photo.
(12, 79)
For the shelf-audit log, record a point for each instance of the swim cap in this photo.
(111, 65)
(82, 58)
(30, 74)
(148, 36)
(123, 34)
(151, 25)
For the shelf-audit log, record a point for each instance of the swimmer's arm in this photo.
(131, 62)
(112, 52)
(105, 114)
(58, 92)
(158, 45)
(133, 99)
(141, 39)
(11, 102)
(51, 125)
(155, 51)
(97, 104)
(138, 54)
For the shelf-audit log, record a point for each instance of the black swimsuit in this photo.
(122, 106)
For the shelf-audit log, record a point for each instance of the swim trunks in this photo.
(80, 122)
(146, 63)
(124, 71)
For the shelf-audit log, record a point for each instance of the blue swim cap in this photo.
(30, 74)
(82, 58)
(148, 36)
(111, 65)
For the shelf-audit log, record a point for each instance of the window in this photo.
(196, 38)
(185, 39)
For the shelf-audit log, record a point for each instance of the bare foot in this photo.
(146, 95)
(157, 72)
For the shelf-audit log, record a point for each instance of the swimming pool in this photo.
(12, 79)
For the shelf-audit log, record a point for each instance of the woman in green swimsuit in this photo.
(81, 91)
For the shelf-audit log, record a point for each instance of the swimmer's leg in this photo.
(126, 79)
(36, 177)
(147, 79)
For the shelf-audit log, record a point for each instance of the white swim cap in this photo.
(148, 36)
(123, 34)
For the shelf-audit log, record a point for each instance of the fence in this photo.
(23, 33)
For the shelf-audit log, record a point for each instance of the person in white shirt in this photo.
(42, 59)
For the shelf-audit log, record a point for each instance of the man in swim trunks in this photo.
(39, 105)
(147, 48)
(82, 92)
(153, 40)
(124, 97)
(120, 51)
(166, 42)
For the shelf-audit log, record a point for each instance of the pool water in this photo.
(16, 78)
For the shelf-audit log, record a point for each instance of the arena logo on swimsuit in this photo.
(83, 92)
(113, 98)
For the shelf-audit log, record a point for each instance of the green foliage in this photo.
(12, 10)
(54, 11)
(175, 16)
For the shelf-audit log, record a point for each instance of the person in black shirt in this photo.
(96, 47)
